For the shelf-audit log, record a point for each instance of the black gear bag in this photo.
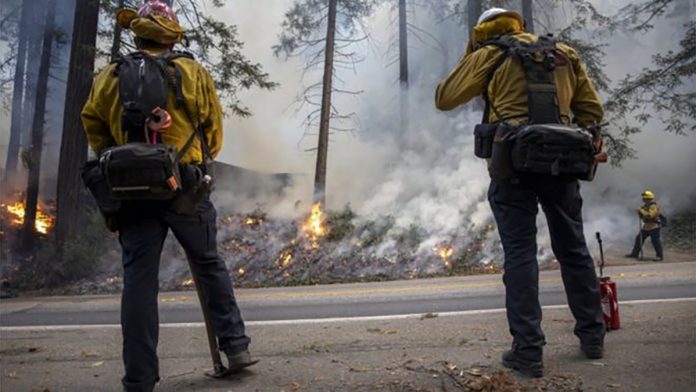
(544, 144)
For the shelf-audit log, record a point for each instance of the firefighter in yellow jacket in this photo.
(487, 70)
(143, 225)
(651, 222)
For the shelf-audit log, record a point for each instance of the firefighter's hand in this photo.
(600, 155)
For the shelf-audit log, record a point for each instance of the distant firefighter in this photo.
(650, 223)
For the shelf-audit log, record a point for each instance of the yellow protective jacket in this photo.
(101, 115)
(650, 215)
(507, 89)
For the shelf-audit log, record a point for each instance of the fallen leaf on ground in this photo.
(428, 315)
(295, 386)
(12, 375)
(474, 371)
(613, 385)
(599, 364)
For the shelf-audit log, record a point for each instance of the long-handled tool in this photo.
(219, 370)
(640, 234)
(608, 294)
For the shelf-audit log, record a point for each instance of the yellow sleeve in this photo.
(95, 120)
(585, 104)
(211, 114)
(652, 212)
(467, 80)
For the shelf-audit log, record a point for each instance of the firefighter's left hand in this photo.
(600, 155)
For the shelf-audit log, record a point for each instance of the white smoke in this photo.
(426, 175)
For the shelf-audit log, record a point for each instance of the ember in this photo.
(252, 221)
(284, 259)
(43, 224)
(187, 282)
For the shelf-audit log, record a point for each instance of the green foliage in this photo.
(214, 43)
(373, 232)
(667, 87)
(51, 266)
(303, 25)
(340, 224)
(410, 237)
(681, 232)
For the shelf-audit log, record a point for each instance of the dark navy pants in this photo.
(143, 227)
(515, 206)
(654, 235)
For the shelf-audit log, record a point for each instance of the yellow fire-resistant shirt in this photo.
(508, 88)
(101, 115)
(650, 215)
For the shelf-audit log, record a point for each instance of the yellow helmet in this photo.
(648, 194)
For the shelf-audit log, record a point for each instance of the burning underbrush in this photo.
(322, 247)
(326, 247)
(12, 216)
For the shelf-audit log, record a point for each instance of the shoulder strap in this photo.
(174, 80)
(538, 61)
(504, 43)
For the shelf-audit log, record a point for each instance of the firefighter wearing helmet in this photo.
(651, 221)
(190, 121)
(490, 70)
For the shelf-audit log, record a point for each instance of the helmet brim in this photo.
(514, 14)
(125, 16)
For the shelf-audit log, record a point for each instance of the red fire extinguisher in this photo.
(609, 296)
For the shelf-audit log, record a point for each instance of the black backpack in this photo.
(140, 169)
(544, 145)
(143, 84)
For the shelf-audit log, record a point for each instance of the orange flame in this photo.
(445, 252)
(187, 282)
(252, 221)
(315, 226)
(284, 259)
(43, 223)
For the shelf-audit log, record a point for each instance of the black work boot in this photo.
(239, 361)
(592, 351)
(527, 367)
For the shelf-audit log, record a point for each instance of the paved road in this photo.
(638, 282)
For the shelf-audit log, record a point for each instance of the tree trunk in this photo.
(37, 21)
(17, 98)
(37, 131)
(73, 146)
(528, 15)
(327, 87)
(403, 65)
(116, 43)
